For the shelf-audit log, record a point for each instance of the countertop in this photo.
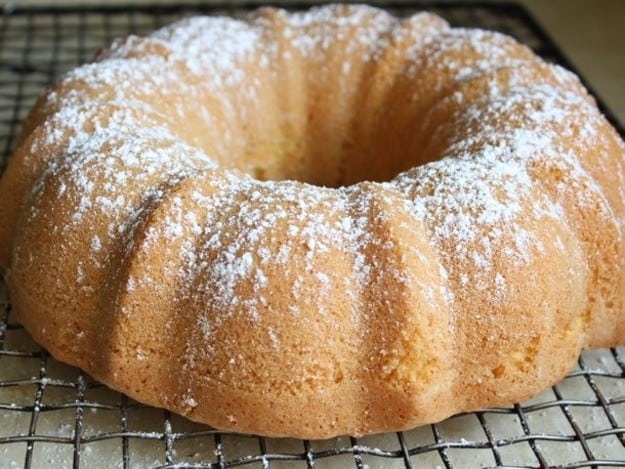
(591, 34)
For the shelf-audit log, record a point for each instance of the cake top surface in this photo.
(474, 192)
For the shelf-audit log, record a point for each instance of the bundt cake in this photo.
(319, 223)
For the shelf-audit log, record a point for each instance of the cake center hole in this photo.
(331, 160)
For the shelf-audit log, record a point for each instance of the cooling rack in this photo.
(52, 415)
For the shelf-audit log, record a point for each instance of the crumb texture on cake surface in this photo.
(317, 223)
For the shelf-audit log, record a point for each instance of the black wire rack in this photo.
(53, 415)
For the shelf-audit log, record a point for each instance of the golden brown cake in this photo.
(318, 223)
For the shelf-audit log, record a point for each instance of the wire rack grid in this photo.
(52, 415)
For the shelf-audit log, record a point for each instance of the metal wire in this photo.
(52, 415)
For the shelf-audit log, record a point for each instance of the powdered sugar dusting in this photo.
(127, 184)
(315, 31)
(476, 196)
